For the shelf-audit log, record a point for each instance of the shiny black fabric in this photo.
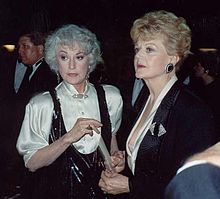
(73, 175)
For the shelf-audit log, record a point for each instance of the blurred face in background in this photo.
(73, 65)
(199, 70)
(29, 54)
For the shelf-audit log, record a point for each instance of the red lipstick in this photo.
(140, 66)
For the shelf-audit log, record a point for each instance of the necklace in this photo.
(80, 96)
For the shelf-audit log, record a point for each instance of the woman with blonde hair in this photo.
(173, 124)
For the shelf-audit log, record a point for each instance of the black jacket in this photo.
(189, 129)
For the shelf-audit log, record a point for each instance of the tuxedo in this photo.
(43, 79)
(12, 109)
(196, 182)
(13, 103)
(188, 123)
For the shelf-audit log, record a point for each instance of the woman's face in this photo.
(73, 65)
(150, 59)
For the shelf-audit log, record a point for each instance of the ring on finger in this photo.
(89, 127)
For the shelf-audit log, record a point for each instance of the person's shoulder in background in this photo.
(198, 178)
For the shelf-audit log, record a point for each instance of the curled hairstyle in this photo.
(175, 32)
(69, 35)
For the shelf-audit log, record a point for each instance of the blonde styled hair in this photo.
(174, 31)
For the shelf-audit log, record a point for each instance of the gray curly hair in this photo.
(69, 35)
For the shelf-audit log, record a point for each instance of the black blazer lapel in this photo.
(163, 111)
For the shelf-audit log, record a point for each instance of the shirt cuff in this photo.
(190, 164)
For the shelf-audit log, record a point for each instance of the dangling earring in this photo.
(88, 72)
(169, 67)
(58, 77)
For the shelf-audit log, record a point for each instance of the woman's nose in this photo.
(72, 64)
(139, 54)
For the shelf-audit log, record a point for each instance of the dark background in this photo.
(110, 20)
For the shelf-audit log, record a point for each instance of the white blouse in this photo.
(132, 150)
(36, 125)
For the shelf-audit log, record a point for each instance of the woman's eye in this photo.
(148, 50)
(63, 57)
(80, 57)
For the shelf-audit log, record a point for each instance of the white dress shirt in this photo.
(19, 75)
(20, 72)
(36, 126)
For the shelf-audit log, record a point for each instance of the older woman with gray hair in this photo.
(60, 133)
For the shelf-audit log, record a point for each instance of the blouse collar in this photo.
(74, 93)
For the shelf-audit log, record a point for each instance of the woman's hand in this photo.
(48, 154)
(82, 127)
(113, 183)
(118, 161)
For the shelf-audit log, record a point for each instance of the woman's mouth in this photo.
(140, 66)
(72, 74)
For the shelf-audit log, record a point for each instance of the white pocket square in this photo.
(162, 130)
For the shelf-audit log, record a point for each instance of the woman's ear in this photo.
(175, 59)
